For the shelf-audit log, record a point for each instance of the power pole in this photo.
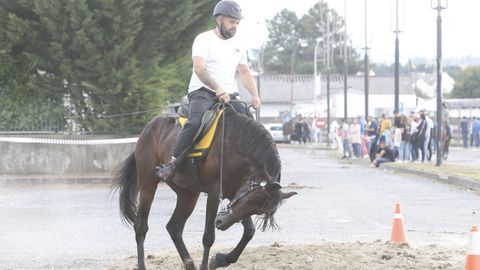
(439, 8)
(366, 64)
(345, 69)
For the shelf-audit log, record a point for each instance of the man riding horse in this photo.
(216, 55)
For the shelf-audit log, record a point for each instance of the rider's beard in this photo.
(227, 34)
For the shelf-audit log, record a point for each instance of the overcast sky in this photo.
(417, 23)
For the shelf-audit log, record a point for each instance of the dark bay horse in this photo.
(250, 180)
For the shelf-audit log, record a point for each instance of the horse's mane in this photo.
(255, 142)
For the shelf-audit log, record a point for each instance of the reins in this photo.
(220, 194)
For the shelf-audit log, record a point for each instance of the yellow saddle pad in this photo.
(202, 147)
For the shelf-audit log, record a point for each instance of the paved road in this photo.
(78, 227)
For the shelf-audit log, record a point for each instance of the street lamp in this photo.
(440, 5)
(397, 61)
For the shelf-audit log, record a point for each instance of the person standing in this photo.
(216, 55)
(414, 136)
(464, 129)
(427, 144)
(356, 137)
(397, 138)
(420, 137)
(446, 138)
(476, 131)
(298, 130)
(405, 146)
(372, 133)
(344, 134)
(305, 131)
(384, 124)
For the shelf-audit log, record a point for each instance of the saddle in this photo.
(204, 136)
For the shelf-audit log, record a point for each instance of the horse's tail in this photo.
(126, 183)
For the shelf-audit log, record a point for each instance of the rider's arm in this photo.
(199, 67)
(246, 78)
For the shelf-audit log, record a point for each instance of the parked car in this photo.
(276, 129)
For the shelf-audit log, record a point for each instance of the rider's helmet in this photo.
(228, 8)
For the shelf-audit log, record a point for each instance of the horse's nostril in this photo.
(218, 223)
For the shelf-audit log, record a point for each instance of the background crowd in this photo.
(401, 138)
(404, 138)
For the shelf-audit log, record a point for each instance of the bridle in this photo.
(222, 106)
(253, 186)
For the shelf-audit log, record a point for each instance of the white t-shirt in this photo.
(222, 59)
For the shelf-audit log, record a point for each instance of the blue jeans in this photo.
(425, 148)
(476, 139)
(370, 142)
(465, 139)
(404, 151)
(346, 148)
(356, 149)
(382, 160)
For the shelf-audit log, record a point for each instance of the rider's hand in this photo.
(224, 97)
(256, 102)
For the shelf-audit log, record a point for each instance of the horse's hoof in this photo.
(189, 265)
(219, 260)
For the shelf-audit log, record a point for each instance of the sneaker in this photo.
(165, 172)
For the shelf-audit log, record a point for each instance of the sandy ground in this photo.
(332, 256)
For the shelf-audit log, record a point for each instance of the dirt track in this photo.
(333, 256)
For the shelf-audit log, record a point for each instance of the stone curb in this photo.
(448, 179)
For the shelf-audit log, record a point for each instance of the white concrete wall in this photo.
(61, 159)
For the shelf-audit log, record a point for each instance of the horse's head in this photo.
(253, 199)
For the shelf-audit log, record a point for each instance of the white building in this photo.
(283, 94)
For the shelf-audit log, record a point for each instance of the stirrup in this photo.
(165, 172)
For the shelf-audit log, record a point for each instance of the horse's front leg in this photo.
(223, 260)
(209, 232)
(186, 201)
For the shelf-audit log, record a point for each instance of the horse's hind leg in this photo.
(223, 260)
(186, 201)
(141, 224)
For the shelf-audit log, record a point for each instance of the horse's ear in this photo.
(274, 186)
(288, 195)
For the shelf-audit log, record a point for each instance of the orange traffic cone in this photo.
(398, 229)
(473, 254)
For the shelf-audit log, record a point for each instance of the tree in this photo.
(287, 34)
(468, 83)
(99, 58)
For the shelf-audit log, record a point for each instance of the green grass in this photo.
(460, 171)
